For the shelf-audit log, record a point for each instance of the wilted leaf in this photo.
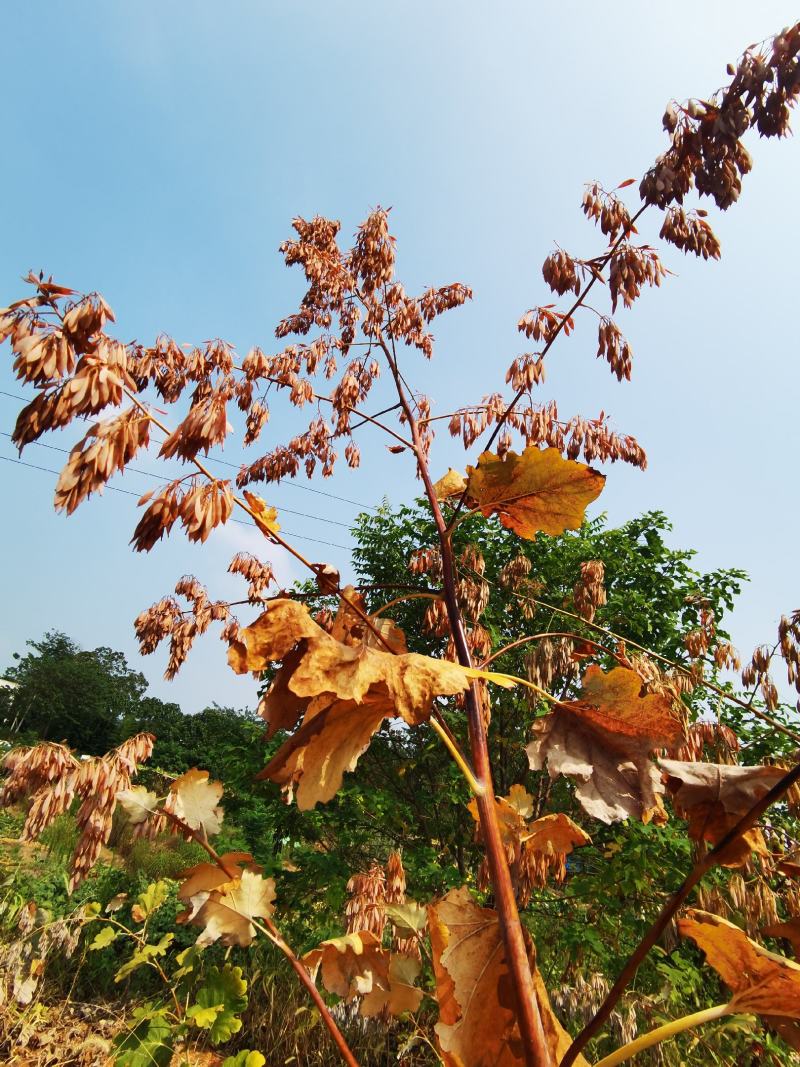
(760, 980)
(138, 803)
(265, 517)
(402, 995)
(449, 484)
(103, 938)
(344, 689)
(351, 965)
(219, 1001)
(229, 911)
(713, 797)
(520, 800)
(477, 1020)
(604, 740)
(555, 835)
(789, 930)
(116, 903)
(536, 491)
(196, 801)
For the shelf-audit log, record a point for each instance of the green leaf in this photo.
(187, 961)
(143, 955)
(220, 998)
(104, 938)
(150, 900)
(148, 1044)
(245, 1058)
(91, 909)
(205, 1017)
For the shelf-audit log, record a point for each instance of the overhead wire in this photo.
(129, 492)
(235, 466)
(164, 478)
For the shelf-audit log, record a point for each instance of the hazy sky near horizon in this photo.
(157, 152)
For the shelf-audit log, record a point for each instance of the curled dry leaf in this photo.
(604, 741)
(714, 796)
(477, 1019)
(402, 995)
(138, 803)
(449, 484)
(196, 801)
(789, 931)
(343, 687)
(351, 965)
(536, 491)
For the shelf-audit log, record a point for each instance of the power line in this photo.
(128, 492)
(163, 478)
(235, 466)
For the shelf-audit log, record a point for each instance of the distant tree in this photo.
(65, 693)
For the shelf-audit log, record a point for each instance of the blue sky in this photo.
(156, 152)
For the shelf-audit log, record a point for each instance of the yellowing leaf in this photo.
(265, 517)
(150, 900)
(138, 803)
(142, 955)
(351, 965)
(450, 484)
(196, 801)
(229, 911)
(401, 996)
(536, 491)
(409, 918)
(761, 981)
(477, 1023)
(604, 740)
(713, 797)
(103, 938)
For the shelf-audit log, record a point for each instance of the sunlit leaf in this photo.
(138, 803)
(220, 1000)
(537, 491)
(197, 801)
(103, 938)
(350, 965)
(401, 996)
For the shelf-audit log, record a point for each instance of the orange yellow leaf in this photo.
(536, 491)
(477, 1023)
(264, 516)
(449, 484)
(760, 980)
(229, 911)
(401, 996)
(350, 966)
(196, 801)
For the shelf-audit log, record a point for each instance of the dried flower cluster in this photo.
(168, 619)
(706, 149)
(52, 777)
(589, 592)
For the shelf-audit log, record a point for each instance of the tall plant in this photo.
(341, 677)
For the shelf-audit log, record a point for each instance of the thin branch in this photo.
(534, 1043)
(747, 705)
(670, 908)
(277, 939)
(538, 637)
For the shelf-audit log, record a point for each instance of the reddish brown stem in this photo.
(675, 902)
(529, 1019)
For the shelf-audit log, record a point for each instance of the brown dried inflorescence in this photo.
(168, 619)
(52, 777)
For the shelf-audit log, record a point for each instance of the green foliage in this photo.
(245, 1058)
(149, 1043)
(220, 1000)
(67, 694)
